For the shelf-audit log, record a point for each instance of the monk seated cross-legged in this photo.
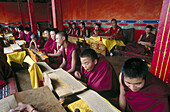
(141, 91)
(144, 44)
(98, 74)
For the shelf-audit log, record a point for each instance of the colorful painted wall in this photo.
(10, 13)
(130, 13)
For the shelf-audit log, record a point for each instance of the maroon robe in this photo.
(116, 34)
(54, 61)
(74, 32)
(47, 46)
(138, 48)
(68, 58)
(102, 77)
(40, 42)
(28, 37)
(5, 70)
(22, 36)
(83, 32)
(153, 97)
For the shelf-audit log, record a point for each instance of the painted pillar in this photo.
(161, 58)
(32, 16)
(57, 14)
(21, 12)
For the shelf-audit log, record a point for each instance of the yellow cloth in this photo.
(95, 38)
(83, 107)
(17, 57)
(111, 43)
(12, 38)
(36, 74)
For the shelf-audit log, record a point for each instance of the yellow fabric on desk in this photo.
(95, 38)
(17, 57)
(36, 74)
(12, 38)
(82, 106)
(111, 43)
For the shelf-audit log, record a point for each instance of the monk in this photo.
(115, 31)
(55, 51)
(75, 30)
(5, 70)
(27, 33)
(97, 31)
(141, 91)
(83, 31)
(36, 42)
(69, 29)
(98, 73)
(21, 35)
(69, 52)
(145, 42)
(49, 41)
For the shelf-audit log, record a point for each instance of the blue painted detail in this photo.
(11, 23)
(84, 21)
(93, 21)
(150, 21)
(104, 21)
(118, 21)
(78, 20)
(130, 21)
(71, 21)
(65, 21)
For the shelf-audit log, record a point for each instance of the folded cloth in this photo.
(36, 74)
(17, 57)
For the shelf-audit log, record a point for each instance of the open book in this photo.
(63, 83)
(41, 98)
(96, 102)
(7, 50)
(45, 67)
(15, 47)
(19, 42)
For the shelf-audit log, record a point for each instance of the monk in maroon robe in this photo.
(27, 34)
(69, 29)
(98, 73)
(97, 31)
(83, 31)
(49, 41)
(145, 41)
(141, 91)
(69, 51)
(115, 31)
(75, 30)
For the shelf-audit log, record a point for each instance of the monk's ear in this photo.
(63, 38)
(95, 61)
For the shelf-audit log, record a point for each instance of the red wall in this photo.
(10, 13)
(108, 9)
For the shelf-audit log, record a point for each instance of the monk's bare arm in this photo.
(58, 53)
(63, 63)
(144, 43)
(87, 33)
(73, 62)
(122, 98)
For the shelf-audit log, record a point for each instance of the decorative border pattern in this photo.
(125, 24)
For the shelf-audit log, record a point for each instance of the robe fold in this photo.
(153, 97)
(83, 32)
(54, 61)
(47, 46)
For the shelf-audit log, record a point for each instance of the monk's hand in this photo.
(77, 74)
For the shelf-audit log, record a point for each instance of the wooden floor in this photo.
(23, 78)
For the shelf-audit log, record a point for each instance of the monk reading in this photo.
(69, 52)
(144, 43)
(27, 33)
(75, 30)
(98, 73)
(141, 91)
